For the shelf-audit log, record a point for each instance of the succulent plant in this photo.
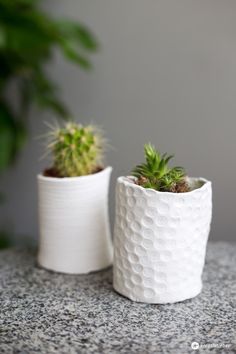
(77, 150)
(156, 174)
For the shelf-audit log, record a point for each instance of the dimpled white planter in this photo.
(74, 223)
(160, 241)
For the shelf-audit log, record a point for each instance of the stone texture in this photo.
(160, 241)
(46, 312)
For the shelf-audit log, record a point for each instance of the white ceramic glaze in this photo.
(74, 223)
(160, 241)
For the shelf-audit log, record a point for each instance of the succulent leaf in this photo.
(156, 174)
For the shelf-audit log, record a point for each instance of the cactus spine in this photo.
(77, 150)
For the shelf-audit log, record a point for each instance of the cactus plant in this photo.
(156, 174)
(77, 150)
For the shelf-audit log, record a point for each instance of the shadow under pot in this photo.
(74, 223)
(160, 241)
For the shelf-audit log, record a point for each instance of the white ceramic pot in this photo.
(74, 223)
(160, 241)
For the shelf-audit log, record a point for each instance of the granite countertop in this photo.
(46, 312)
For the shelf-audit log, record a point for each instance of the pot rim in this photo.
(129, 180)
(41, 177)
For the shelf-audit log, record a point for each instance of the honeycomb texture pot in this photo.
(74, 223)
(160, 241)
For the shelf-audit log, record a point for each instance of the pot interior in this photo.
(195, 183)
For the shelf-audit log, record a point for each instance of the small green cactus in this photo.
(77, 150)
(156, 174)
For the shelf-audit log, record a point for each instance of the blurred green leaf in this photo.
(81, 35)
(5, 240)
(6, 147)
(28, 37)
(72, 54)
(44, 93)
(20, 137)
(2, 37)
(86, 38)
(6, 137)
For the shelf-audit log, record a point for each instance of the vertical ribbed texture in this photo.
(160, 241)
(74, 223)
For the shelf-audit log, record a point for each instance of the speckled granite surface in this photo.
(45, 312)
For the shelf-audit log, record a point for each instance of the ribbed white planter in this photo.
(74, 223)
(160, 241)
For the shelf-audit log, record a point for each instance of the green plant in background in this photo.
(156, 174)
(77, 150)
(28, 37)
